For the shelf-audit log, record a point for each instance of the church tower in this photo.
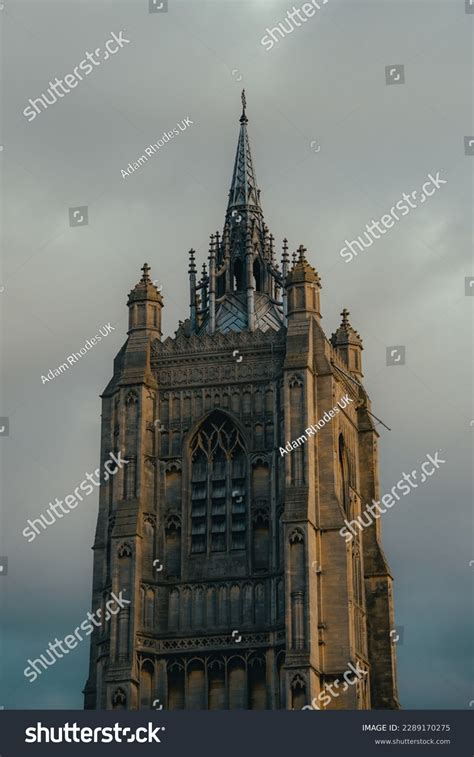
(249, 442)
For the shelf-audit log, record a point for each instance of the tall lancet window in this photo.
(218, 487)
(257, 274)
(239, 285)
(345, 473)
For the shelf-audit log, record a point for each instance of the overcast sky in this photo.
(322, 86)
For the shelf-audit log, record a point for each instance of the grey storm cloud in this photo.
(64, 273)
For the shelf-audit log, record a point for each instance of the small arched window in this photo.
(119, 699)
(298, 693)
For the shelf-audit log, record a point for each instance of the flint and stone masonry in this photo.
(243, 593)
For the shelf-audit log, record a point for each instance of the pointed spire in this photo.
(241, 271)
(243, 194)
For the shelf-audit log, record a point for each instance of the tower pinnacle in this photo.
(145, 303)
(348, 344)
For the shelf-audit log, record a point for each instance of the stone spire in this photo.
(244, 196)
(243, 280)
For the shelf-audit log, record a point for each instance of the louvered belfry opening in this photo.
(218, 487)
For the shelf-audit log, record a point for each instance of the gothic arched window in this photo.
(218, 487)
(257, 273)
(298, 693)
(238, 276)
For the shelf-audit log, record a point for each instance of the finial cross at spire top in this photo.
(243, 117)
(146, 268)
(345, 319)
